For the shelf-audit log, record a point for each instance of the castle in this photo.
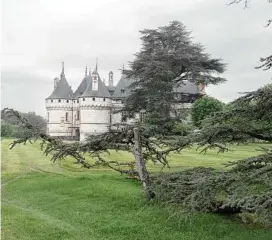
(90, 109)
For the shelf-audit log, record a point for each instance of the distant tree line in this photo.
(11, 126)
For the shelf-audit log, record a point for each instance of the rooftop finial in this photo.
(86, 71)
(62, 72)
(96, 64)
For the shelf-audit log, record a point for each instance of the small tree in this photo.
(204, 107)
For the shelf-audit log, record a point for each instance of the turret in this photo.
(110, 79)
(59, 108)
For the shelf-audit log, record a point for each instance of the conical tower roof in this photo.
(101, 92)
(82, 86)
(62, 90)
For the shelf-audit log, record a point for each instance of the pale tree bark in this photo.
(141, 167)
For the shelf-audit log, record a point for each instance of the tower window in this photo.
(66, 117)
(51, 100)
(59, 100)
(93, 99)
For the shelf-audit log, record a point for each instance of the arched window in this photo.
(59, 100)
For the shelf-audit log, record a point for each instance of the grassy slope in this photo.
(58, 204)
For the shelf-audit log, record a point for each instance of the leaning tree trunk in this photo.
(140, 166)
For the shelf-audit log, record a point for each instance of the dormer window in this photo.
(59, 100)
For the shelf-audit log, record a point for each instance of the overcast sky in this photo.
(38, 35)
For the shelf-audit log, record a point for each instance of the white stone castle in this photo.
(90, 109)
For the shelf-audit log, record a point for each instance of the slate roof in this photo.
(122, 88)
(82, 87)
(101, 92)
(187, 87)
(62, 90)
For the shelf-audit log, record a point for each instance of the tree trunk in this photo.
(140, 166)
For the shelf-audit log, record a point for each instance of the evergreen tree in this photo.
(167, 58)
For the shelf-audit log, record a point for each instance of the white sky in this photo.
(38, 35)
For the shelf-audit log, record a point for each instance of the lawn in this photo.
(42, 200)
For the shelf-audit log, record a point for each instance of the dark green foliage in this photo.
(204, 107)
(247, 118)
(6, 129)
(167, 58)
(11, 125)
(246, 189)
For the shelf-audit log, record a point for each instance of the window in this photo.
(51, 100)
(122, 90)
(48, 117)
(66, 117)
(67, 101)
(93, 99)
(104, 99)
(83, 99)
(77, 101)
(59, 100)
(78, 115)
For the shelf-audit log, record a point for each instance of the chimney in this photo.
(201, 88)
(56, 81)
(110, 79)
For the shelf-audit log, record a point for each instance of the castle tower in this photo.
(94, 105)
(59, 108)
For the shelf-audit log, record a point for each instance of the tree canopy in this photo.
(167, 58)
(204, 107)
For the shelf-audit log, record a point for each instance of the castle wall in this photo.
(95, 116)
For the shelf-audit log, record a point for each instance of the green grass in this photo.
(41, 200)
